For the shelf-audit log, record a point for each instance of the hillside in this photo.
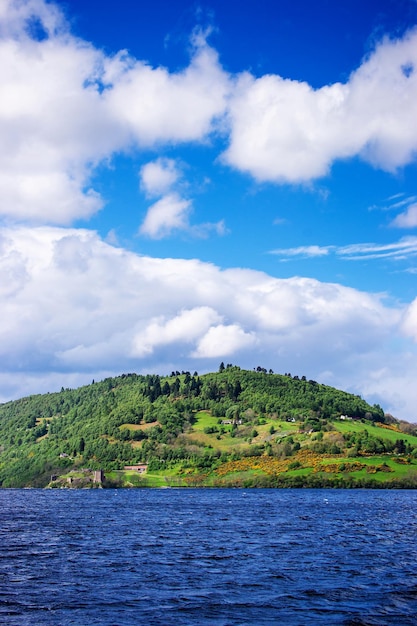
(233, 427)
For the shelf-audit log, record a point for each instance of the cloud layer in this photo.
(72, 303)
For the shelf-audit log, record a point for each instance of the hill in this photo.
(233, 427)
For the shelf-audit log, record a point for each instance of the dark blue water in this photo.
(223, 557)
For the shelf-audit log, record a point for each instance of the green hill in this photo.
(230, 428)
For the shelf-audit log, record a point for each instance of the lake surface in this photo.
(197, 557)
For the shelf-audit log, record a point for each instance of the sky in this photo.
(185, 183)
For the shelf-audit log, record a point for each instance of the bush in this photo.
(209, 430)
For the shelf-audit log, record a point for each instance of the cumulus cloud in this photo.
(159, 107)
(285, 131)
(407, 219)
(30, 15)
(79, 306)
(49, 123)
(168, 214)
(184, 327)
(172, 211)
(158, 177)
(223, 340)
(67, 107)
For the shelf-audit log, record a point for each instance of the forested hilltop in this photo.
(233, 427)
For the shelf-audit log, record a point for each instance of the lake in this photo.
(224, 557)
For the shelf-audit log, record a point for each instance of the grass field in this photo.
(226, 438)
(376, 431)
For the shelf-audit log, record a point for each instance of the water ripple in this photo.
(202, 557)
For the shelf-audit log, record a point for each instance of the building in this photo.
(137, 468)
(98, 476)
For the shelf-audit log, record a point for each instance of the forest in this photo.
(232, 427)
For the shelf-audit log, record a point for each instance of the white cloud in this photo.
(306, 251)
(401, 201)
(203, 230)
(159, 107)
(80, 307)
(166, 215)
(409, 325)
(184, 327)
(223, 340)
(408, 219)
(52, 130)
(158, 177)
(66, 107)
(16, 17)
(284, 130)
(172, 212)
(397, 251)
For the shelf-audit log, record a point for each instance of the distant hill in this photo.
(232, 427)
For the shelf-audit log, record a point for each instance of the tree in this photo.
(175, 387)
(237, 390)
(400, 447)
(166, 390)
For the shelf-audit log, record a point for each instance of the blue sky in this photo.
(184, 183)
